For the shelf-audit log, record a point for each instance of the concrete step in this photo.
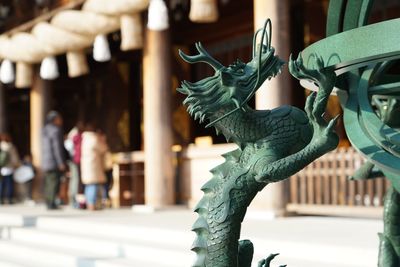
(45, 255)
(4, 263)
(303, 254)
(17, 261)
(120, 239)
(291, 252)
(33, 237)
(116, 231)
(25, 254)
(16, 220)
(88, 243)
(109, 247)
(345, 255)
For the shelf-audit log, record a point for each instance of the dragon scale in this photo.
(272, 145)
(233, 187)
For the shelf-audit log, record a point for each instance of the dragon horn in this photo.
(203, 56)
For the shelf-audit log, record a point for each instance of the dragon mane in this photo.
(204, 97)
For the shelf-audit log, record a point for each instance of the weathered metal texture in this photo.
(367, 132)
(272, 144)
(356, 48)
(362, 54)
(349, 46)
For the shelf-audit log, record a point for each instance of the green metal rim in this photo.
(356, 48)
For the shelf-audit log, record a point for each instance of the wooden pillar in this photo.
(3, 110)
(135, 105)
(40, 104)
(159, 171)
(277, 91)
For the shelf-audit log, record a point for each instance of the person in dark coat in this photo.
(53, 157)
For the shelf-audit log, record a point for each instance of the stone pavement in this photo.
(33, 237)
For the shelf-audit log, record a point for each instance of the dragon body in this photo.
(272, 145)
(233, 185)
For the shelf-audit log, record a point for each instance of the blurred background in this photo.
(116, 64)
(130, 92)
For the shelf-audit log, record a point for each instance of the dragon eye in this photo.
(240, 71)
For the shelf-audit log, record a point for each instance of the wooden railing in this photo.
(323, 187)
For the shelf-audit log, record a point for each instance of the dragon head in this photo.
(233, 86)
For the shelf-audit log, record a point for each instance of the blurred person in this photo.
(108, 166)
(77, 140)
(92, 164)
(73, 145)
(10, 163)
(53, 157)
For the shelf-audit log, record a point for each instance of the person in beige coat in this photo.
(92, 164)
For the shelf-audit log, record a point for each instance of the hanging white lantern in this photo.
(101, 49)
(49, 68)
(158, 16)
(203, 11)
(7, 74)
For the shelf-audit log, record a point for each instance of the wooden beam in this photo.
(45, 17)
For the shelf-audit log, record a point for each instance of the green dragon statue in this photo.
(272, 144)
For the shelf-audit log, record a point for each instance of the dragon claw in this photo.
(324, 136)
(332, 123)
(320, 62)
(267, 261)
(334, 120)
(319, 110)
(317, 74)
(310, 104)
(299, 60)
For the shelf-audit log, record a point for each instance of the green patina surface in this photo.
(272, 144)
(275, 144)
(362, 55)
(357, 47)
